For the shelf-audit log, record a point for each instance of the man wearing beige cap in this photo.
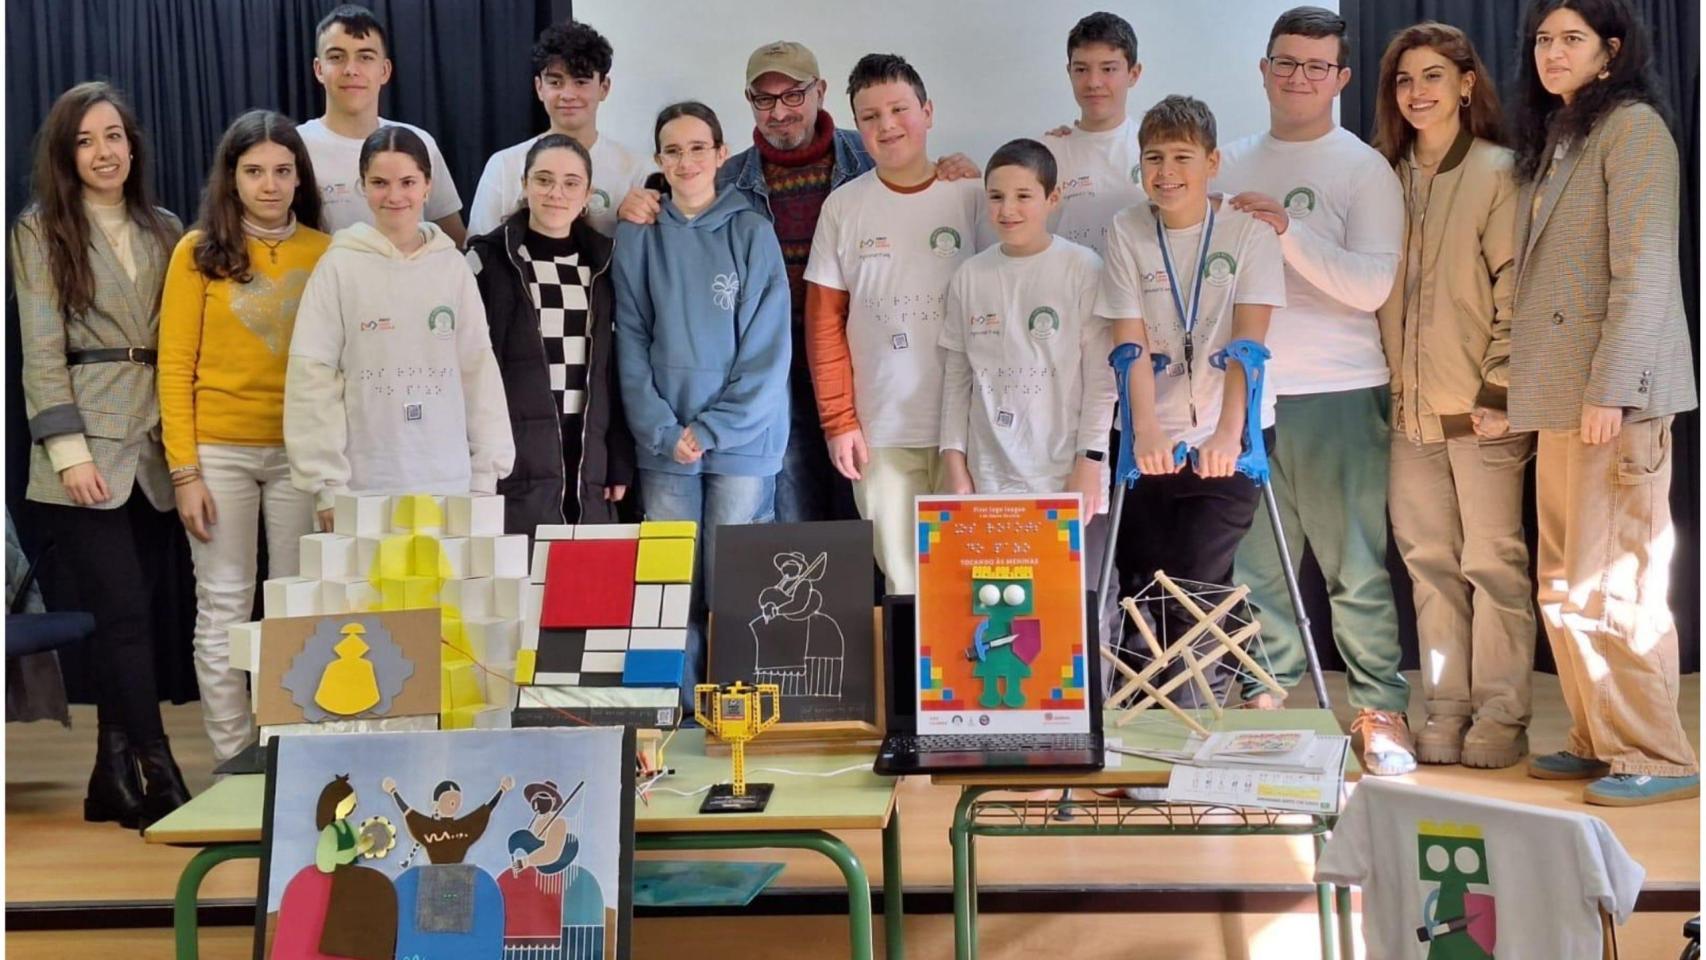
(797, 157)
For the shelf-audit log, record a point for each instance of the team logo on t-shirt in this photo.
(944, 242)
(724, 289)
(1077, 186)
(1220, 269)
(1300, 203)
(441, 322)
(1458, 914)
(598, 200)
(984, 323)
(1043, 323)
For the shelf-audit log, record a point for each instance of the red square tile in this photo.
(589, 583)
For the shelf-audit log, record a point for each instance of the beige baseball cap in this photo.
(786, 57)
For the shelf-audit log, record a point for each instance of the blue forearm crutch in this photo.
(1252, 463)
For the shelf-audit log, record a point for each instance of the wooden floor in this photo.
(52, 856)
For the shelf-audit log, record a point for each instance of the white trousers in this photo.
(246, 483)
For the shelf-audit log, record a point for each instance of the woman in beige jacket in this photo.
(1457, 471)
(1600, 365)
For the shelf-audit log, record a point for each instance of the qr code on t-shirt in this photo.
(898, 341)
(1003, 418)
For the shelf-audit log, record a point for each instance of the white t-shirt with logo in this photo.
(337, 170)
(615, 170)
(1243, 265)
(894, 254)
(1342, 249)
(1100, 175)
(1026, 382)
(1522, 882)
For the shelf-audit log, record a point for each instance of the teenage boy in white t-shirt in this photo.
(1187, 274)
(350, 62)
(886, 245)
(1097, 156)
(1027, 393)
(1339, 212)
(571, 77)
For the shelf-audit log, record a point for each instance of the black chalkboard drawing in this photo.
(792, 605)
(795, 644)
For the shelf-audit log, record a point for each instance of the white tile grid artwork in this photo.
(488, 583)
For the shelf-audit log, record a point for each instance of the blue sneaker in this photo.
(1632, 790)
(1565, 765)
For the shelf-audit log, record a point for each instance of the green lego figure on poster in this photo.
(1458, 923)
(1006, 641)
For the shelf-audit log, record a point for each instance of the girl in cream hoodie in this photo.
(392, 386)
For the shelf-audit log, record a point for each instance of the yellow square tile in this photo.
(664, 561)
(461, 718)
(408, 593)
(524, 667)
(396, 557)
(1063, 534)
(462, 680)
(653, 529)
(416, 512)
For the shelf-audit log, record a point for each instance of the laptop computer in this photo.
(906, 750)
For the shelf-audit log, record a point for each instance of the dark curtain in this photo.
(460, 70)
(1494, 27)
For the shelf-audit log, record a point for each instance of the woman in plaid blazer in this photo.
(90, 254)
(1599, 367)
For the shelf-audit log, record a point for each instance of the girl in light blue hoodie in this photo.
(702, 350)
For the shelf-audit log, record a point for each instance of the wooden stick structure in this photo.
(1140, 685)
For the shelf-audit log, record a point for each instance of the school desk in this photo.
(225, 823)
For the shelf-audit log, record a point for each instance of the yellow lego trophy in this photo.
(736, 714)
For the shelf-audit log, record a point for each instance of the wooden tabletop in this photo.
(230, 811)
(1154, 729)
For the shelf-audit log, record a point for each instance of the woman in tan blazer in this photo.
(90, 254)
(1457, 471)
(1600, 363)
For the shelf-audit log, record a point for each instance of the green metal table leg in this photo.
(894, 910)
(971, 888)
(1347, 926)
(959, 839)
(1324, 908)
(185, 924)
(858, 883)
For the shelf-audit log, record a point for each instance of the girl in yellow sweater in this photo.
(225, 324)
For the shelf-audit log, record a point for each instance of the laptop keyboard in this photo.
(986, 742)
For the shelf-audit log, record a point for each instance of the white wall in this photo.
(995, 68)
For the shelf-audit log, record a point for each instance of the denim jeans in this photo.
(809, 488)
(712, 501)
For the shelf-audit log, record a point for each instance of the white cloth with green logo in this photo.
(1026, 382)
(392, 386)
(894, 254)
(337, 171)
(1244, 265)
(1099, 175)
(1342, 248)
(615, 170)
(1520, 882)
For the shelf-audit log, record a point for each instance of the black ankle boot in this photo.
(115, 791)
(166, 791)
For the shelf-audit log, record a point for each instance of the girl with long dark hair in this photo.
(1599, 367)
(90, 253)
(1456, 470)
(225, 324)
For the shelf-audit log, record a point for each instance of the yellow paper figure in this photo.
(348, 686)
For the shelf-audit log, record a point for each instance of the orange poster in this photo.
(1001, 621)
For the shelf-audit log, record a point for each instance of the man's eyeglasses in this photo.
(674, 155)
(1312, 69)
(789, 98)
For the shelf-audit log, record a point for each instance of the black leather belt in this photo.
(113, 355)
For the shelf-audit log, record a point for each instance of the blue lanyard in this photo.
(1188, 320)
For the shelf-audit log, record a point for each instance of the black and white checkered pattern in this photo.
(558, 288)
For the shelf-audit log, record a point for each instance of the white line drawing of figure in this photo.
(795, 644)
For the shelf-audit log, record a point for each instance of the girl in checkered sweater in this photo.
(544, 277)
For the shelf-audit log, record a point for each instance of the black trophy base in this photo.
(721, 798)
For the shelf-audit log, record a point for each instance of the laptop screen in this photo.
(1000, 618)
